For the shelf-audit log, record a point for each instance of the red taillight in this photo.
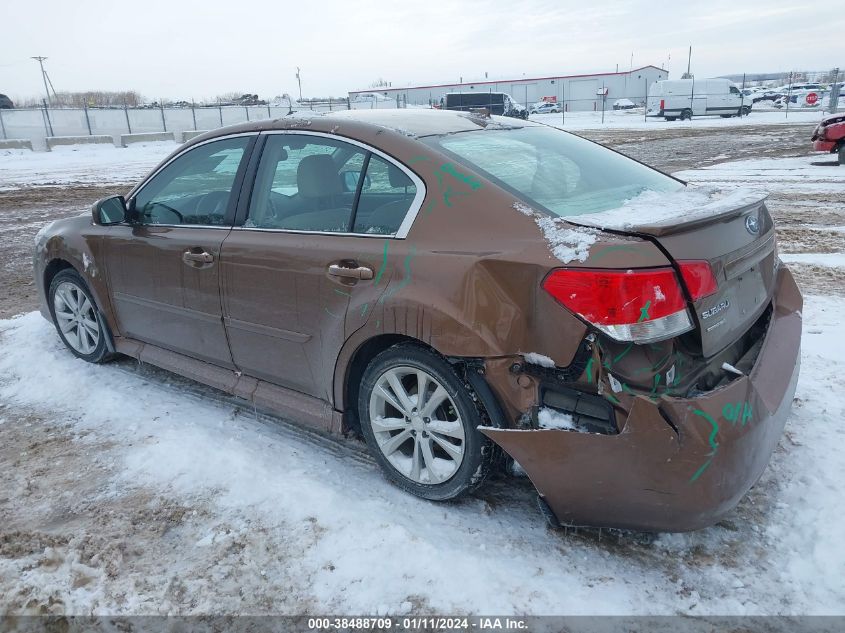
(662, 104)
(641, 305)
(699, 279)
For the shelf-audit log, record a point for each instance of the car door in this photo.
(163, 266)
(300, 253)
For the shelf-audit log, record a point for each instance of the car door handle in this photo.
(190, 257)
(359, 272)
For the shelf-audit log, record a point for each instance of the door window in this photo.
(305, 183)
(386, 196)
(194, 189)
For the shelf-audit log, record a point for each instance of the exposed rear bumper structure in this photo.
(678, 464)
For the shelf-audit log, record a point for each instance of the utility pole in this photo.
(689, 61)
(40, 61)
(299, 82)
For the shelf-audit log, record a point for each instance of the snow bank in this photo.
(84, 164)
(652, 208)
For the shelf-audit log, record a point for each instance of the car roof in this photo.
(411, 122)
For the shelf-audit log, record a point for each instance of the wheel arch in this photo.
(53, 268)
(346, 388)
(58, 264)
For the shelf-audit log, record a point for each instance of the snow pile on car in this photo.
(654, 208)
(567, 242)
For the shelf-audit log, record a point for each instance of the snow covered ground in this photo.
(253, 517)
(124, 489)
(627, 119)
(95, 164)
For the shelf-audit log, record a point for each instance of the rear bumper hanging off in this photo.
(678, 464)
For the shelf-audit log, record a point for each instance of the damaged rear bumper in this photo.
(678, 464)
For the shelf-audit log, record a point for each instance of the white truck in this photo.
(685, 98)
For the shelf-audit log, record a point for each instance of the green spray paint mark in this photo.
(612, 398)
(656, 383)
(712, 441)
(449, 193)
(364, 309)
(746, 413)
(383, 263)
(405, 280)
(623, 353)
(450, 169)
(590, 371)
(644, 312)
(417, 159)
(430, 206)
(739, 412)
(331, 314)
(342, 292)
(378, 323)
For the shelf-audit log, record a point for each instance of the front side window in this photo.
(305, 183)
(559, 172)
(195, 188)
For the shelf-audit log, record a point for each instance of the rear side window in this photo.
(386, 197)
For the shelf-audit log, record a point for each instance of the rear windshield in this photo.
(553, 170)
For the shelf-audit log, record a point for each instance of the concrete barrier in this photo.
(55, 141)
(147, 137)
(15, 143)
(187, 135)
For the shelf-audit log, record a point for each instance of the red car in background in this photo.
(829, 136)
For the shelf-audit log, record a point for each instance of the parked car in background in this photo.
(829, 136)
(6, 103)
(624, 104)
(450, 285)
(496, 103)
(544, 107)
(686, 98)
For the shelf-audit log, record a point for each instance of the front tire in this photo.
(420, 423)
(76, 317)
(686, 115)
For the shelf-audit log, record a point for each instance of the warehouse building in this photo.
(577, 92)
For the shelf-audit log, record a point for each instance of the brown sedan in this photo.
(449, 285)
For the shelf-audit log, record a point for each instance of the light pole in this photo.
(40, 61)
(299, 81)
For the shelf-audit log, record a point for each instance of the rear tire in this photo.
(77, 318)
(670, 118)
(420, 424)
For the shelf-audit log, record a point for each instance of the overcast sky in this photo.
(185, 50)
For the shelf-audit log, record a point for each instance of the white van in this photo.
(686, 98)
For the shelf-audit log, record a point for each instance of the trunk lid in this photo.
(734, 234)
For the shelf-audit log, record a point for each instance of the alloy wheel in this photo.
(416, 425)
(76, 317)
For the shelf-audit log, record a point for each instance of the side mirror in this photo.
(110, 211)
